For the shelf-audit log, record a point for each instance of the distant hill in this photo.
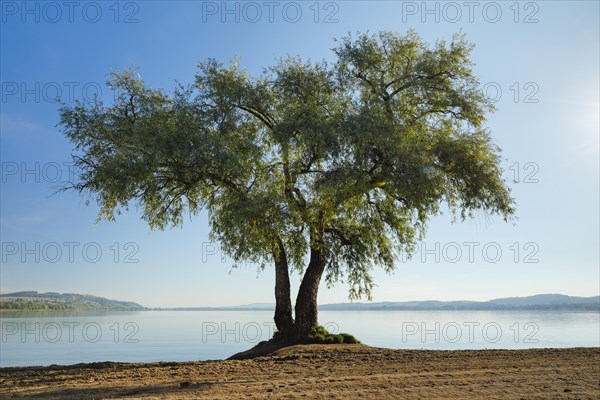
(542, 299)
(537, 302)
(53, 301)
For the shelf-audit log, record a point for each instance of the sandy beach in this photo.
(328, 372)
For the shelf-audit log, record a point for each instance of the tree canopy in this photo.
(339, 162)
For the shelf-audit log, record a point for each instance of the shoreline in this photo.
(325, 371)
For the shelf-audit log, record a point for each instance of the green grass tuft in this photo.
(319, 334)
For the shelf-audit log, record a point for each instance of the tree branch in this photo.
(265, 119)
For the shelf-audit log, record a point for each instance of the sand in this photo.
(326, 372)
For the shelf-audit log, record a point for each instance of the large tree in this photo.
(329, 169)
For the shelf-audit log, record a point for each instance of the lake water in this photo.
(69, 338)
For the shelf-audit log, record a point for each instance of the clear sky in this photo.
(539, 60)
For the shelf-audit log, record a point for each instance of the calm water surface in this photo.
(69, 338)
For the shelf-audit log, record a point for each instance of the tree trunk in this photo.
(283, 303)
(306, 302)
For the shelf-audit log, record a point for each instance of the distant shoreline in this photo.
(582, 307)
(225, 309)
(53, 301)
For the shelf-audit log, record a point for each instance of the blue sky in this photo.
(540, 60)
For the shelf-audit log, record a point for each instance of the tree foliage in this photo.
(351, 158)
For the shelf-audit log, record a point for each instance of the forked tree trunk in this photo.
(283, 303)
(306, 302)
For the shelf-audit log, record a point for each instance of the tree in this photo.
(333, 167)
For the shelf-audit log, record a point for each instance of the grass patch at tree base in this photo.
(320, 335)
